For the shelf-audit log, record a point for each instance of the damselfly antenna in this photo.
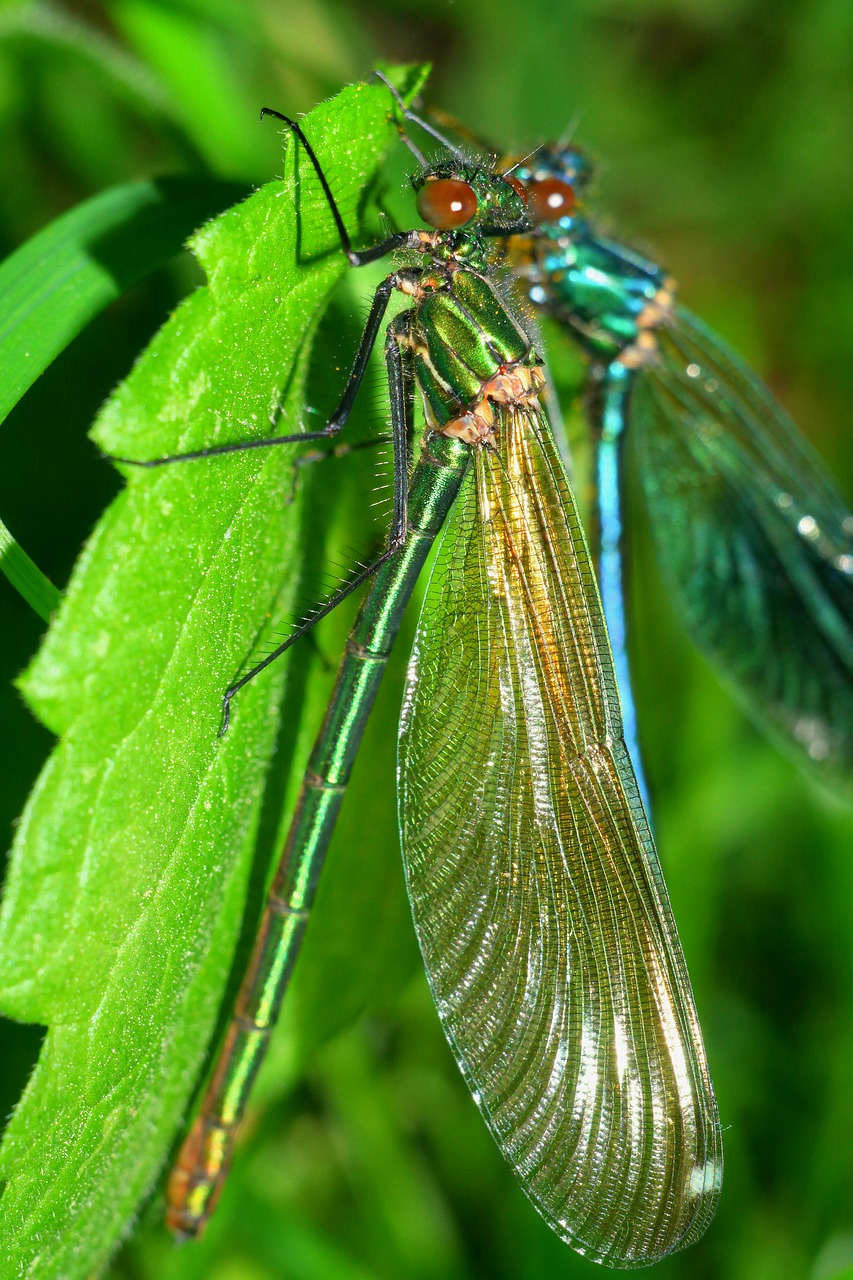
(504, 173)
(571, 128)
(408, 114)
(416, 151)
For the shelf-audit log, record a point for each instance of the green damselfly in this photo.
(537, 894)
(752, 535)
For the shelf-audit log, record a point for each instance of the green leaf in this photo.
(59, 280)
(130, 865)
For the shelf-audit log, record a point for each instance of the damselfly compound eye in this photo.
(518, 187)
(446, 203)
(550, 199)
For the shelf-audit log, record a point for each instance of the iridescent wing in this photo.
(538, 899)
(755, 539)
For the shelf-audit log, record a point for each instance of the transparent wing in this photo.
(755, 539)
(537, 895)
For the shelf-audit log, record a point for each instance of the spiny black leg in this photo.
(401, 391)
(321, 613)
(296, 129)
(378, 308)
(339, 450)
(212, 451)
(402, 326)
(357, 257)
(338, 419)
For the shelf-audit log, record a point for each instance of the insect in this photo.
(752, 535)
(537, 894)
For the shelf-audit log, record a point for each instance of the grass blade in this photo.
(26, 577)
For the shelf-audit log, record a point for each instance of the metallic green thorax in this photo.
(594, 286)
(597, 288)
(462, 335)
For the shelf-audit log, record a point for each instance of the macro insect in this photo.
(537, 894)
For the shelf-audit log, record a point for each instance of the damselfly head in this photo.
(451, 195)
(555, 178)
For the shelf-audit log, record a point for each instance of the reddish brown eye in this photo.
(551, 199)
(446, 203)
(518, 187)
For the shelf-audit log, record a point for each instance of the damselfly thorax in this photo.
(468, 356)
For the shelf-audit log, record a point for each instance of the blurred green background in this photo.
(723, 129)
